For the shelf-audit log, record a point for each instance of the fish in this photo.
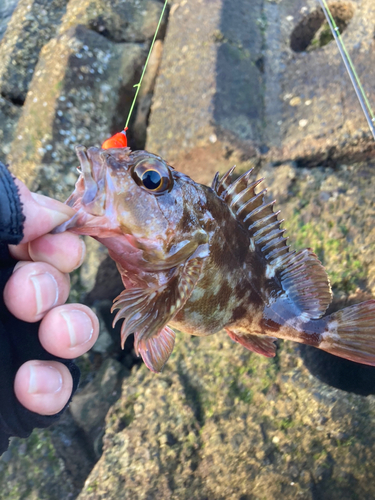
(202, 259)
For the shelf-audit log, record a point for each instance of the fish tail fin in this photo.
(350, 333)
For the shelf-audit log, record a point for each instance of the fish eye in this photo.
(152, 175)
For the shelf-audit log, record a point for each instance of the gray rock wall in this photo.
(6, 10)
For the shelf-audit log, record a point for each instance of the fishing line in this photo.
(138, 85)
(363, 101)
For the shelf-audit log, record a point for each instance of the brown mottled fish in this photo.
(204, 259)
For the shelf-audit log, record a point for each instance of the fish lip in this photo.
(91, 180)
(88, 173)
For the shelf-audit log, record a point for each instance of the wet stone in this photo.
(9, 116)
(33, 24)
(118, 20)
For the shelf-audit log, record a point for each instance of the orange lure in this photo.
(118, 140)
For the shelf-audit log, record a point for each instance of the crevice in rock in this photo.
(327, 488)
(108, 283)
(98, 25)
(107, 286)
(16, 100)
(313, 31)
(72, 446)
(350, 153)
(338, 372)
(193, 396)
(125, 99)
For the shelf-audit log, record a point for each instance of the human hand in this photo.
(38, 290)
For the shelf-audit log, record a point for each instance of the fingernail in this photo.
(59, 212)
(57, 218)
(79, 325)
(83, 254)
(44, 379)
(46, 291)
(54, 205)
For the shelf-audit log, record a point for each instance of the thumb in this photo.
(41, 213)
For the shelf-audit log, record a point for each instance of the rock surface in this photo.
(73, 97)
(232, 87)
(33, 24)
(311, 111)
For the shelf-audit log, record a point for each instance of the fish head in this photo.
(125, 198)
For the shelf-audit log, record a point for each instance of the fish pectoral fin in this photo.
(147, 311)
(156, 350)
(305, 282)
(196, 246)
(260, 344)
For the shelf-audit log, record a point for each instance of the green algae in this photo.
(43, 472)
(340, 258)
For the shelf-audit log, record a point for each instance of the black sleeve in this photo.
(19, 340)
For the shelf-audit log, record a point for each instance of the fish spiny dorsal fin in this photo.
(302, 276)
(253, 212)
(220, 185)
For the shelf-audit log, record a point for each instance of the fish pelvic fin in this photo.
(147, 312)
(155, 351)
(350, 333)
(260, 344)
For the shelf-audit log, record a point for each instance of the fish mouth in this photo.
(90, 185)
(86, 186)
(89, 193)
